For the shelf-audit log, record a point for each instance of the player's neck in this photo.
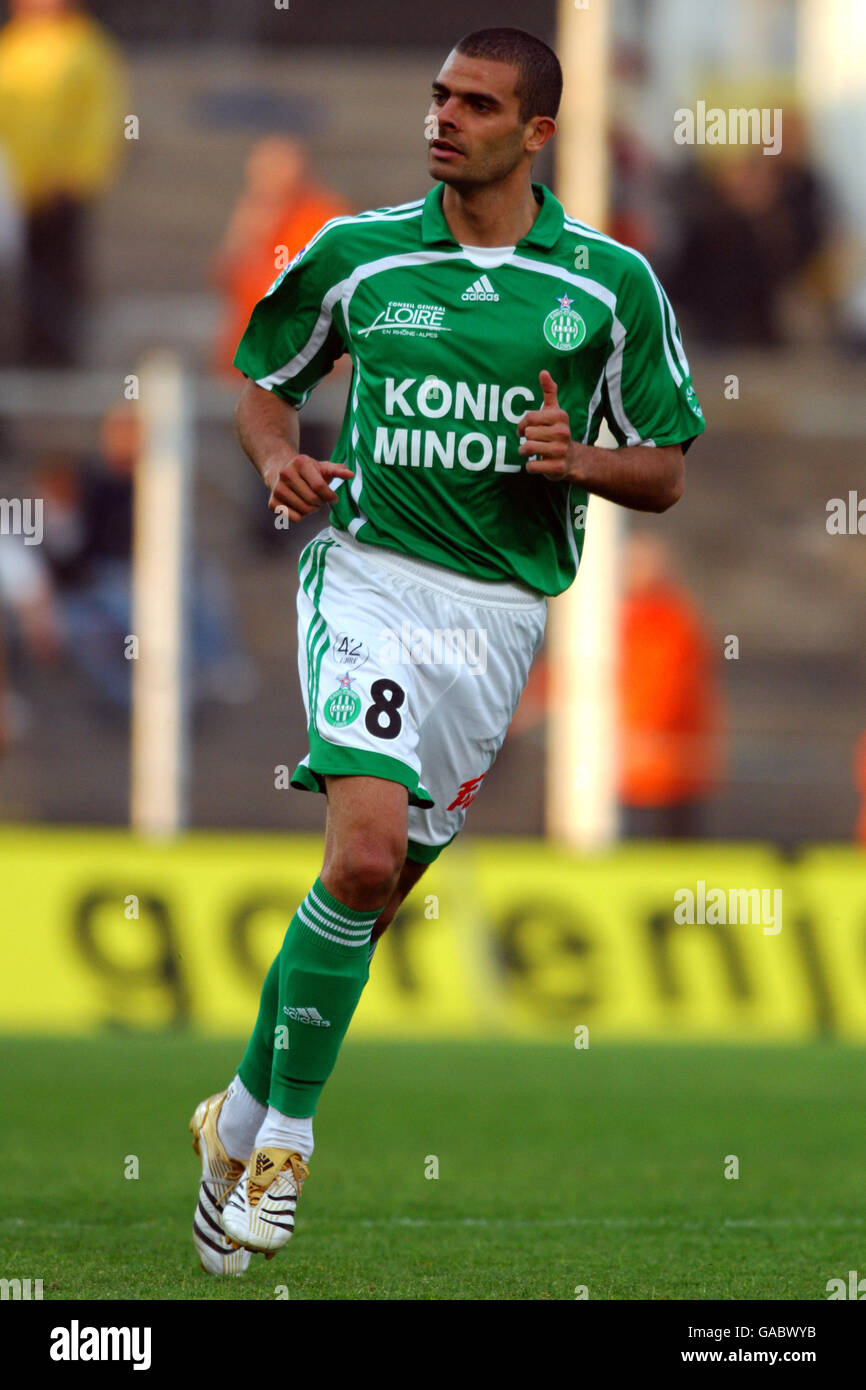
(494, 214)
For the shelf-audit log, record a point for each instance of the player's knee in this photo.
(362, 871)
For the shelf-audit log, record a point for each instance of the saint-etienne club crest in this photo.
(344, 705)
(564, 329)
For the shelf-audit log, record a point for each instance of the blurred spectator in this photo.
(670, 708)
(61, 84)
(88, 547)
(631, 173)
(724, 279)
(752, 228)
(27, 625)
(4, 726)
(26, 595)
(11, 250)
(633, 168)
(279, 210)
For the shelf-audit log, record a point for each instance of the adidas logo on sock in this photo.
(263, 1163)
(481, 289)
(310, 1015)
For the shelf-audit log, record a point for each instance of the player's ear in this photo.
(539, 130)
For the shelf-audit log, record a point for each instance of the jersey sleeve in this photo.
(648, 392)
(295, 333)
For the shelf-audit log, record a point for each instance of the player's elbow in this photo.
(669, 488)
(669, 495)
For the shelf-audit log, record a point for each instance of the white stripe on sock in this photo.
(340, 940)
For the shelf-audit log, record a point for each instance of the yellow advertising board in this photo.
(512, 937)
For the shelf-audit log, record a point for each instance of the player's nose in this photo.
(447, 114)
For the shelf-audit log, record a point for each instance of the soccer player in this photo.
(489, 335)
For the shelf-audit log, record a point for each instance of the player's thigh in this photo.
(367, 824)
(459, 742)
(364, 696)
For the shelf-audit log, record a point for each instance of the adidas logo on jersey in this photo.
(481, 289)
(310, 1015)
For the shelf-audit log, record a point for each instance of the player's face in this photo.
(481, 137)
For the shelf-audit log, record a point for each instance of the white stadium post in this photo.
(831, 76)
(160, 732)
(581, 801)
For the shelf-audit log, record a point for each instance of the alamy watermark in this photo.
(739, 125)
(438, 646)
(20, 1289)
(717, 907)
(846, 516)
(22, 516)
(77, 1343)
(854, 1289)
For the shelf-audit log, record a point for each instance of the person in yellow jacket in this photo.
(61, 124)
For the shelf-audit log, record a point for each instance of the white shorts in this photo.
(410, 672)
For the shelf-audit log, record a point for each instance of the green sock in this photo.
(255, 1069)
(323, 967)
(257, 1064)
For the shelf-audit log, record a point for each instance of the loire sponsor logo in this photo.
(403, 317)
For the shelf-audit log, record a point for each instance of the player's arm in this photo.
(649, 403)
(637, 477)
(644, 478)
(269, 432)
(290, 344)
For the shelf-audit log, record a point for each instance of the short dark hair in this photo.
(539, 84)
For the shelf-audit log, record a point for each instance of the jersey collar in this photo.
(544, 232)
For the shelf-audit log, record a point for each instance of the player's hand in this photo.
(546, 433)
(300, 486)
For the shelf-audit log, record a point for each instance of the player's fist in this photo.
(300, 486)
(546, 433)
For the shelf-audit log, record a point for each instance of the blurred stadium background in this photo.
(144, 205)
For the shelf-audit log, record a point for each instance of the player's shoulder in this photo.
(355, 237)
(615, 264)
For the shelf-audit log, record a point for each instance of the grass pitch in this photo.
(557, 1169)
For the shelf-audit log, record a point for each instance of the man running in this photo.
(490, 334)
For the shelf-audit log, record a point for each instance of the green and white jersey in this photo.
(446, 353)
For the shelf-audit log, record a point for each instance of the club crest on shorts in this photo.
(564, 329)
(344, 705)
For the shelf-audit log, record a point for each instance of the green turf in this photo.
(557, 1168)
